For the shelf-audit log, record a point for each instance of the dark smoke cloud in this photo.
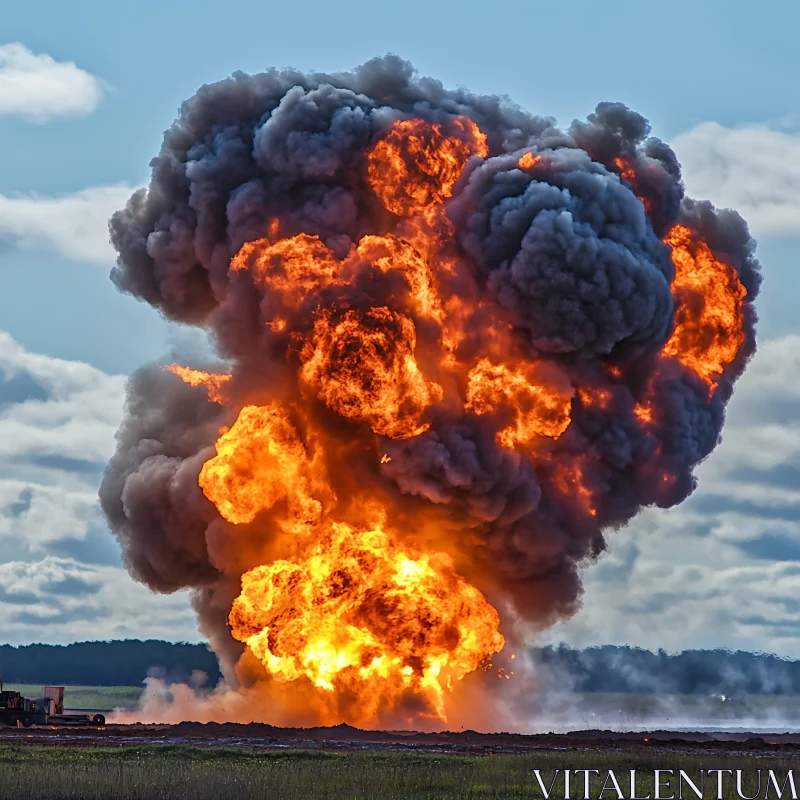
(250, 147)
(149, 492)
(570, 249)
(612, 132)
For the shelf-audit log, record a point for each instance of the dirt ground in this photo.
(344, 737)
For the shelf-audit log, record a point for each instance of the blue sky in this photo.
(695, 62)
(714, 78)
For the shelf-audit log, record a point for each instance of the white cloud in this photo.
(72, 413)
(57, 425)
(74, 225)
(754, 169)
(38, 514)
(749, 605)
(61, 578)
(39, 88)
(59, 600)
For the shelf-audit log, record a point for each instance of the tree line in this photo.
(594, 669)
(115, 663)
(630, 669)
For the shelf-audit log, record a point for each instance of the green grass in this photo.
(161, 772)
(99, 698)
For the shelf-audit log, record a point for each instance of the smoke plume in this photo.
(457, 345)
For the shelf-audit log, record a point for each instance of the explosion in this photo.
(260, 461)
(214, 384)
(538, 408)
(363, 619)
(416, 165)
(709, 320)
(459, 345)
(362, 367)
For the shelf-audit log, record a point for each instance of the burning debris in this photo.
(457, 345)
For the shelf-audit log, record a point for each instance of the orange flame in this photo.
(596, 397)
(626, 170)
(709, 319)
(628, 174)
(393, 253)
(291, 268)
(539, 408)
(358, 615)
(361, 365)
(644, 412)
(415, 164)
(570, 479)
(214, 382)
(261, 461)
(528, 161)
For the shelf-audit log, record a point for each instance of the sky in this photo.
(87, 89)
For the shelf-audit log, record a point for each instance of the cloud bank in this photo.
(38, 88)
(72, 225)
(752, 168)
(61, 577)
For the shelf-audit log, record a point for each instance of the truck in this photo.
(48, 709)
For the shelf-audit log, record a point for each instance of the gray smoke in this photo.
(568, 252)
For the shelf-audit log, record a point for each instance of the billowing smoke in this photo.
(439, 319)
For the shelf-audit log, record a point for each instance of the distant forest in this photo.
(119, 663)
(595, 669)
(630, 669)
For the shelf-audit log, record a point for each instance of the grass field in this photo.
(97, 698)
(47, 772)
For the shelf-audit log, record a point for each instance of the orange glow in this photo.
(415, 164)
(361, 365)
(596, 397)
(422, 254)
(358, 615)
(626, 170)
(261, 462)
(570, 479)
(708, 320)
(643, 412)
(392, 253)
(539, 408)
(292, 268)
(528, 161)
(214, 382)
(628, 174)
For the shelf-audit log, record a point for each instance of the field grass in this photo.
(76, 698)
(58, 772)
